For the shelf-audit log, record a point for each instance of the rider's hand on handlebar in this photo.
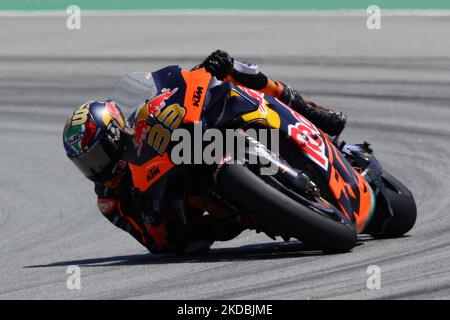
(219, 64)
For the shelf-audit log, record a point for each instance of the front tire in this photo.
(403, 206)
(250, 193)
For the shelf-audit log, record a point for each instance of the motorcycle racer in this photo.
(94, 139)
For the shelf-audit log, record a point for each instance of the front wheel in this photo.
(250, 193)
(403, 208)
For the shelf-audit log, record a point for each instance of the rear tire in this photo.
(249, 192)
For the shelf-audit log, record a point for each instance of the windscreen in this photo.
(131, 91)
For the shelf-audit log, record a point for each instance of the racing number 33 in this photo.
(159, 136)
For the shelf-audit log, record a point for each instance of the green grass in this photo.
(222, 4)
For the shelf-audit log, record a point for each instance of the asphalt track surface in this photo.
(392, 83)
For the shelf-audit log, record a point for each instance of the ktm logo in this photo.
(153, 172)
(197, 96)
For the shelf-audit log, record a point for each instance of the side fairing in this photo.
(158, 115)
(348, 187)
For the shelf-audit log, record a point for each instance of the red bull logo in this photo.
(114, 113)
(111, 107)
(159, 102)
(258, 96)
(152, 108)
(141, 130)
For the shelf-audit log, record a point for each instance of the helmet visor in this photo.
(94, 163)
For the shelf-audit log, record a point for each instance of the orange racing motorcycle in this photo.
(321, 191)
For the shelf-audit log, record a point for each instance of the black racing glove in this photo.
(219, 64)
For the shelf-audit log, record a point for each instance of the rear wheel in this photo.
(249, 192)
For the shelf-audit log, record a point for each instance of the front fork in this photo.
(361, 156)
(267, 163)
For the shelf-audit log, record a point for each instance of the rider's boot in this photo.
(329, 121)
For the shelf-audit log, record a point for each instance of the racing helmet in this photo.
(93, 139)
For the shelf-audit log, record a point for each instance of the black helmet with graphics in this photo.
(93, 139)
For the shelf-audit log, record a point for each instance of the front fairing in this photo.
(176, 101)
